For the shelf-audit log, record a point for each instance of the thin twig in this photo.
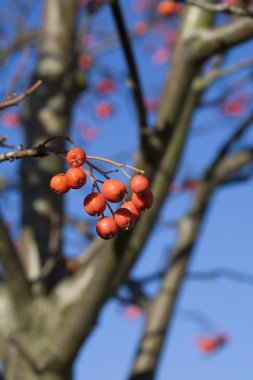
(216, 73)
(3, 144)
(38, 151)
(226, 147)
(134, 82)
(119, 165)
(13, 101)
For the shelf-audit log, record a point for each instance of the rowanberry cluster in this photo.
(112, 191)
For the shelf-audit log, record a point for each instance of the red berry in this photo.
(76, 178)
(124, 219)
(59, 184)
(94, 204)
(85, 62)
(103, 110)
(76, 157)
(113, 190)
(106, 227)
(134, 210)
(105, 86)
(139, 184)
(144, 200)
(167, 7)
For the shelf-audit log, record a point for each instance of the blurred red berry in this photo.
(106, 86)
(234, 107)
(10, 119)
(140, 28)
(103, 110)
(161, 56)
(132, 312)
(168, 7)
(85, 62)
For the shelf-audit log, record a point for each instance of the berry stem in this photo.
(98, 170)
(119, 165)
(67, 138)
(94, 183)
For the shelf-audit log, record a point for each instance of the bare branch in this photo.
(225, 148)
(218, 273)
(162, 307)
(19, 288)
(38, 151)
(20, 41)
(202, 83)
(133, 81)
(223, 7)
(13, 101)
(204, 44)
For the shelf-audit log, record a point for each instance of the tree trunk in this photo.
(18, 368)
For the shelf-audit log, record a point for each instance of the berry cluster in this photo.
(112, 191)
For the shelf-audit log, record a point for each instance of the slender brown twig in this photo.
(13, 101)
(119, 165)
(134, 81)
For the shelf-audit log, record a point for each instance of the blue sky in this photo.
(225, 242)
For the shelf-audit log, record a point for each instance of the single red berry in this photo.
(167, 7)
(134, 210)
(113, 190)
(139, 184)
(85, 62)
(76, 157)
(59, 184)
(103, 110)
(106, 227)
(106, 86)
(76, 178)
(144, 200)
(124, 219)
(94, 204)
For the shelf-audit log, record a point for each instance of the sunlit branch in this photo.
(223, 7)
(162, 307)
(203, 45)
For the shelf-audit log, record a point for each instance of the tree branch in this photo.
(133, 81)
(223, 7)
(20, 41)
(39, 151)
(215, 274)
(14, 100)
(203, 44)
(161, 308)
(13, 272)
